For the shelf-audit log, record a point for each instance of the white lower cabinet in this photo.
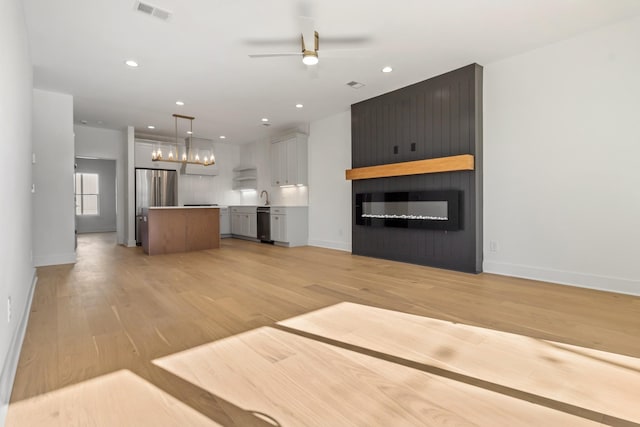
(252, 227)
(289, 225)
(244, 221)
(279, 228)
(225, 222)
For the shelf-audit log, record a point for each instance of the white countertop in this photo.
(268, 206)
(186, 207)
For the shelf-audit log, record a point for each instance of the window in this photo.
(87, 191)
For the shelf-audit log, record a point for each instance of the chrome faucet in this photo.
(265, 192)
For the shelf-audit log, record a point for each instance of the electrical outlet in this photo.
(9, 310)
(493, 246)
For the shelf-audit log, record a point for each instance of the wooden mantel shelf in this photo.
(463, 162)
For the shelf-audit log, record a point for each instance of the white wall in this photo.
(561, 149)
(329, 191)
(17, 275)
(54, 209)
(130, 212)
(213, 189)
(112, 145)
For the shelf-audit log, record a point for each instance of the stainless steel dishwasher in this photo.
(264, 224)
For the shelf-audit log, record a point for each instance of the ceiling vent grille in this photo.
(150, 10)
(355, 85)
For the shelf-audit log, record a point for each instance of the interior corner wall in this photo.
(330, 192)
(17, 275)
(107, 144)
(54, 209)
(562, 182)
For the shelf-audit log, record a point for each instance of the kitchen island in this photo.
(171, 229)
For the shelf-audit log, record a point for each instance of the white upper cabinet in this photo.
(289, 160)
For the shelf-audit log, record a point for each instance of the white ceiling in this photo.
(200, 55)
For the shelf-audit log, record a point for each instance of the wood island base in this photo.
(167, 230)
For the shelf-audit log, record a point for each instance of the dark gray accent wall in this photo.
(438, 117)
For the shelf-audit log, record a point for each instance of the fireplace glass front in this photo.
(412, 209)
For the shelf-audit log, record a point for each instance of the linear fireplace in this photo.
(436, 210)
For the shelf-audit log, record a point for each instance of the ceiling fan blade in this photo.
(326, 41)
(356, 53)
(271, 55)
(352, 40)
(270, 42)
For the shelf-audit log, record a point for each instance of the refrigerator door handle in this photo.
(153, 191)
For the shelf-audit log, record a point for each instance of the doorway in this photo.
(95, 195)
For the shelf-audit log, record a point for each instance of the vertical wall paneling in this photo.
(442, 116)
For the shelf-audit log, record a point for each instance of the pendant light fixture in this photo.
(197, 151)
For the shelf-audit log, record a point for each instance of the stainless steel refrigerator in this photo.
(154, 187)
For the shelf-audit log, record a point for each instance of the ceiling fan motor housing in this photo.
(310, 57)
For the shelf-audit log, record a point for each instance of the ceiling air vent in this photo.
(355, 85)
(152, 10)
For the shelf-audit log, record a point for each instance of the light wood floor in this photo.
(252, 334)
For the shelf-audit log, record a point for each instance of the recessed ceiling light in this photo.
(299, 105)
(189, 132)
(387, 69)
(222, 137)
(264, 119)
(151, 127)
(179, 103)
(131, 63)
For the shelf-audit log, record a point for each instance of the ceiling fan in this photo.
(309, 57)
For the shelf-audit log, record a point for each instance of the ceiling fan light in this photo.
(310, 58)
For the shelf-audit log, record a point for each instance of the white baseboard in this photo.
(55, 259)
(98, 230)
(131, 243)
(10, 367)
(340, 246)
(582, 280)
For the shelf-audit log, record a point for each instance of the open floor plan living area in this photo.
(311, 336)
(320, 213)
